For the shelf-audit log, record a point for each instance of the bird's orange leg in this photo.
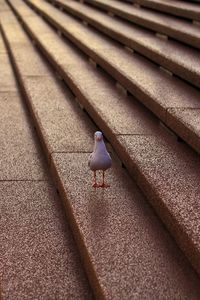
(104, 185)
(95, 184)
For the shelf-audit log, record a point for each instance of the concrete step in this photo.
(185, 9)
(163, 94)
(153, 157)
(173, 27)
(175, 57)
(38, 256)
(128, 254)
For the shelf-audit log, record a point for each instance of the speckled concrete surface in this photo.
(85, 95)
(62, 123)
(184, 9)
(180, 287)
(20, 157)
(176, 57)
(100, 96)
(9, 22)
(169, 174)
(25, 54)
(123, 114)
(7, 78)
(169, 25)
(38, 256)
(190, 125)
(155, 89)
(128, 250)
(3, 49)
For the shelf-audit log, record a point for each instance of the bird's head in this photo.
(98, 136)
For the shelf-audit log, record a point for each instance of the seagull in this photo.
(99, 159)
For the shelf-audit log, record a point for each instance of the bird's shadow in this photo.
(99, 210)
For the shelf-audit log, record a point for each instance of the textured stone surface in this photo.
(74, 77)
(180, 8)
(190, 125)
(128, 250)
(11, 25)
(38, 256)
(169, 25)
(2, 46)
(59, 118)
(121, 113)
(180, 59)
(7, 78)
(20, 155)
(169, 174)
(125, 116)
(155, 89)
(25, 56)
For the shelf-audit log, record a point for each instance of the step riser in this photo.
(165, 7)
(101, 122)
(159, 58)
(145, 97)
(133, 169)
(181, 36)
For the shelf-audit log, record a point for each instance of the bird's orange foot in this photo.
(96, 185)
(104, 185)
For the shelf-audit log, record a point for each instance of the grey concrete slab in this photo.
(169, 174)
(64, 127)
(190, 125)
(127, 251)
(39, 259)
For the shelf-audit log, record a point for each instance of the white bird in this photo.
(99, 159)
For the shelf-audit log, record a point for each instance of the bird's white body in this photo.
(100, 158)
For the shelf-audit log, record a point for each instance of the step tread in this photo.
(184, 9)
(119, 230)
(87, 84)
(189, 118)
(38, 254)
(18, 139)
(47, 95)
(180, 59)
(157, 90)
(41, 260)
(157, 21)
(96, 218)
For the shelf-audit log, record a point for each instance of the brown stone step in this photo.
(180, 30)
(184, 9)
(160, 162)
(154, 88)
(178, 58)
(127, 251)
(38, 256)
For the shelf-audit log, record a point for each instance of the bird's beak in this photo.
(99, 138)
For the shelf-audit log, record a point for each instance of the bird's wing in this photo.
(89, 161)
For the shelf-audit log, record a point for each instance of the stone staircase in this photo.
(133, 73)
